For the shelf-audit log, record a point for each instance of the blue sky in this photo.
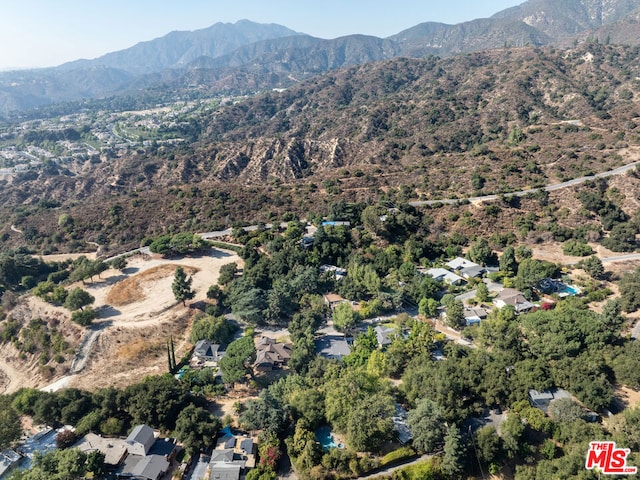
(50, 32)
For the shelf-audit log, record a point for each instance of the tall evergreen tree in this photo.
(182, 286)
(173, 353)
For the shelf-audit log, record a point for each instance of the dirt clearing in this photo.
(136, 288)
(138, 314)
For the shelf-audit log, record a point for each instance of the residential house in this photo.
(514, 298)
(473, 315)
(307, 242)
(332, 346)
(148, 467)
(148, 457)
(333, 300)
(232, 457)
(443, 275)
(271, 355)
(8, 461)
(476, 271)
(401, 426)
(541, 400)
(338, 273)
(384, 335)
(206, 353)
(140, 440)
(114, 449)
(459, 263)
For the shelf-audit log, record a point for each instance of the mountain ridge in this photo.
(246, 57)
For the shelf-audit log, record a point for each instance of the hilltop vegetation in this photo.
(400, 130)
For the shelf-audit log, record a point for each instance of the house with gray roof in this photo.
(514, 298)
(542, 400)
(223, 455)
(147, 467)
(205, 353)
(233, 456)
(271, 354)
(140, 440)
(474, 315)
(224, 471)
(460, 263)
(9, 460)
(384, 335)
(443, 275)
(473, 272)
(332, 346)
(148, 457)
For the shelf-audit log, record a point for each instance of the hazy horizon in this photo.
(40, 33)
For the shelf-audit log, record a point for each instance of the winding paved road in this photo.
(522, 193)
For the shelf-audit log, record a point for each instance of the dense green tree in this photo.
(369, 424)
(482, 292)
(215, 329)
(455, 314)
(196, 428)
(576, 248)
(181, 286)
(119, 263)
(156, 401)
(84, 317)
(227, 273)
(161, 245)
(309, 405)
(531, 271)
(83, 268)
(349, 389)
(248, 302)
(303, 352)
(454, 453)
(68, 464)
(10, 426)
(427, 426)
(265, 413)
(630, 291)
(377, 363)
(370, 219)
(345, 317)
(238, 359)
(488, 444)
(593, 266)
(512, 433)
(507, 262)
(78, 299)
(480, 252)
(626, 364)
(523, 252)
(428, 307)
(622, 238)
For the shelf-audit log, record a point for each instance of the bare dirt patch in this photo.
(135, 289)
(61, 257)
(133, 343)
(628, 397)
(138, 314)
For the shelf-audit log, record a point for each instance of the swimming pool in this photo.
(569, 290)
(324, 436)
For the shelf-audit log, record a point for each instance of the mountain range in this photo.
(246, 57)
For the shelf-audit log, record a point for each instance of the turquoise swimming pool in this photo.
(569, 290)
(324, 436)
